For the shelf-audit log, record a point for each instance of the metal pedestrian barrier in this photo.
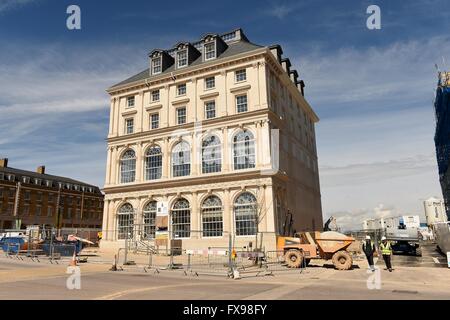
(209, 261)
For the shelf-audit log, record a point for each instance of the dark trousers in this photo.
(370, 259)
(387, 260)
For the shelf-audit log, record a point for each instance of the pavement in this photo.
(431, 257)
(41, 280)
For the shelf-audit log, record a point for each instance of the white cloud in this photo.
(375, 140)
(6, 5)
(364, 173)
(54, 107)
(61, 79)
(353, 220)
(281, 10)
(39, 93)
(401, 72)
(84, 161)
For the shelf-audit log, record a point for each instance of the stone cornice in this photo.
(129, 112)
(242, 117)
(180, 101)
(240, 88)
(153, 107)
(209, 95)
(235, 177)
(206, 186)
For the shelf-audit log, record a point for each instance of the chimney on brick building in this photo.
(4, 163)
(41, 169)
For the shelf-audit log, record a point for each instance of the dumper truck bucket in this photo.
(330, 242)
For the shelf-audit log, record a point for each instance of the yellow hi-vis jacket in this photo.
(386, 248)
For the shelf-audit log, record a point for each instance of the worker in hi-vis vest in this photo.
(386, 251)
(369, 249)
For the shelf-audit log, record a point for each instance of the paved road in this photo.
(430, 258)
(25, 280)
(11, 264)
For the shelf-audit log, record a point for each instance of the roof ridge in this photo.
(231, 50)
(44, 175)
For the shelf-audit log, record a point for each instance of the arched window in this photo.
(128, 166)
(244, 150)
(149, 220)
(181, 159)
(212, 217)
(211, 155)
(125, 222)
(181, 219)
(153, 163)
(245, 214)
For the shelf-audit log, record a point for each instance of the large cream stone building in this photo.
(219, 133)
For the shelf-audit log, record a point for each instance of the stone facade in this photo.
(266, 146)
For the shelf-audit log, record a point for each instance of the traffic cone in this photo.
(73, 262)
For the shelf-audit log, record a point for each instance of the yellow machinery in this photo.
(303, 247)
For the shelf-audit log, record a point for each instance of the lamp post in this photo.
(16, 206)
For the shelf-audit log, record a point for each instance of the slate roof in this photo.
(233, 48)
(18, 173)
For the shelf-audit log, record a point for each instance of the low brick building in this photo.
(37, 198)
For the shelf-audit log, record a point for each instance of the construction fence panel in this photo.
(224, 254)
(208, 261)
(213, 262)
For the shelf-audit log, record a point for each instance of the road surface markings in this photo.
(274, 293)
(140, 290)
(405, 291)
(436, 260)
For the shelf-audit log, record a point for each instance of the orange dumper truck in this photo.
(300, 249)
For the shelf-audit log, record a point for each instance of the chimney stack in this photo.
(41, 169)
(301, 86)
(4, 163)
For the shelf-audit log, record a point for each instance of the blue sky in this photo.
(373, 90)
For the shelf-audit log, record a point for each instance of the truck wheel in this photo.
(342, 260)
(293, 258)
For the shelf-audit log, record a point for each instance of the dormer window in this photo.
(182, 60)
(210, 50)
(160, 60)
(156, 65)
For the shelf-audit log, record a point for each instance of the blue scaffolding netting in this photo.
(442, 135)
